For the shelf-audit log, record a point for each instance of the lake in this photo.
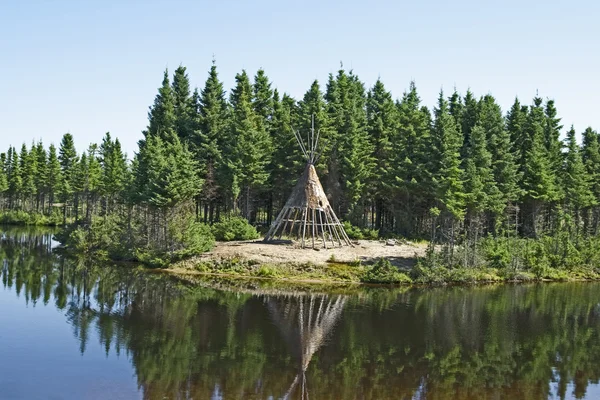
(73, 330)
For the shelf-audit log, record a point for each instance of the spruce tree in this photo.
(3, 179)
(470, 117)
(211, 139)
(554, 146)
(516, 121)
(251, 155)
(262, 100)
(54, 175)
(576, 180)
(14, 177)
(183, 107)
(28, 167)
(447, 173)
(504, 166)
(412, 161)
(41, 177)
(538, 177)
(382, 124)
(161, 117)
(287, 161)
(352, 151)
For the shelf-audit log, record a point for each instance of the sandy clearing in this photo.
(402, 255)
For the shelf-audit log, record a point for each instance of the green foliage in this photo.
(357, 233)
(384, 272)
(234, 228)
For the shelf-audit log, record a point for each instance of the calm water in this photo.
(74, 331)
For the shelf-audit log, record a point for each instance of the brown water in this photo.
(70, 330)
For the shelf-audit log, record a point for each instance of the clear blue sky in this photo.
(88, 67)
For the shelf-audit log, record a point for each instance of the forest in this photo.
(509, 188)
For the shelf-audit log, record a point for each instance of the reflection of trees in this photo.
(304, 322)
(503, 341)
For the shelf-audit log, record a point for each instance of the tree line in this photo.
(457, 172)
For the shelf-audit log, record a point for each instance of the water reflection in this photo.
(305, 323)
(185, 342)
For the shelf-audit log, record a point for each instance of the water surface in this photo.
(71, 330)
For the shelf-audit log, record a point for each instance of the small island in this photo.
(462, 192)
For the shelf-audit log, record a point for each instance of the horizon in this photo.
(90, 69)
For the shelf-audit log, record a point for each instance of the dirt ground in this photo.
(400, 254)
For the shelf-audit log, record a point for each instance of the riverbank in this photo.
(368, 262)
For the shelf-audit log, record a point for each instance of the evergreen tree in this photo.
(262, 100)
(470, 116)
(504, 166)
(67, 156)
(3, 178)
(211, 138)
(591, 159)
(538, 178)
(54, 175)
(41, 177)
(552, 141)
(14, 177)
(28, 167)
(576, 180)
(516, 121)
(382, 124)
(347, 109)
(447, 173)
(183, 106)
(412, 149)
(161, 117)
(287, 161)
(251, 155)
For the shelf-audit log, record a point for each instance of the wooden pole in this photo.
(294, 221)
(334, 227)
(322, 229)
(287, 215)
(313, 228)
(304, 226)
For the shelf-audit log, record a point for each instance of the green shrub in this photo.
(356, 233)
(266, 271)
(234, 228)
(384, 272)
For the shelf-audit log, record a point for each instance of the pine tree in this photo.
(313, 107)
(516, 121)
(41, 177)
(352, 151)
(287, 161)
(470, 117)
(504, 166)
(28, 167)
(591, 159)
(183, 107)
(447, 173)
(538, 178)
(211, 139)
(262, 100)
(54, 175)
(251, 155)
(382, 124)
(161, 117)
(412, 172)
(14, 177)
(552, 142)
(3, 179)
(576, 180)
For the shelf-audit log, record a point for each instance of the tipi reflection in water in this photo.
(305, 321)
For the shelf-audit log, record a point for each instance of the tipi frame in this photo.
(307, 214)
